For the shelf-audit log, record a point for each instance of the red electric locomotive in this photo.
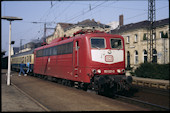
(93, 60)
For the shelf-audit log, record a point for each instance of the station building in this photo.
(135, 35)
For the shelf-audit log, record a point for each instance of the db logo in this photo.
(109, 58)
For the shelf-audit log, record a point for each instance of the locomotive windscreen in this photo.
(97, 42)
(116, 43)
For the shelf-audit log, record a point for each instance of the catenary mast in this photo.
(151, 40)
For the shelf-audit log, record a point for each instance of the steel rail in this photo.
(150, 105)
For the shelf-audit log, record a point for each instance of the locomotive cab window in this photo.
(97, 43)
(116, 43)
(77, 45)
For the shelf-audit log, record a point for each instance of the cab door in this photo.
(76, 55)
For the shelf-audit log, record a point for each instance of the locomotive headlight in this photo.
(99, 71)
(118, 70)
(94, 71)
(123, 70)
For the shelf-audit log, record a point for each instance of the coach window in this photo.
(98, 43)
(49, 51)
(55, 50)
(40, 53)
(116, 43)
(30, 58)
(24, 59)
(44, 52)
(27, 59)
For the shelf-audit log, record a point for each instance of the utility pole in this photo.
(10, 19)
(151, 40)
(45, 28)
(20, 45)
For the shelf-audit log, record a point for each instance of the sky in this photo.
(53, 12)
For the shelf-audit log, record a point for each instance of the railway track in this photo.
(138, 96)
(137, 101)
(145, 104)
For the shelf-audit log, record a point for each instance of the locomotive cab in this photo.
(107, 63)
(107, 55)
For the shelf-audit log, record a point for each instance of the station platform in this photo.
(155, 83)
(13, 100)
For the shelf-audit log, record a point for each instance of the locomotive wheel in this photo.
(69, 83)
(85, 86)
(63, 82)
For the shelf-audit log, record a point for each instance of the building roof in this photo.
(87, 23)
(65, 25)
(162, 22)
(139, 25)
(92, 22)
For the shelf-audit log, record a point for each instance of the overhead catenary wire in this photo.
(69, 5)
(141, 14)
(80, 14)
(92, 8)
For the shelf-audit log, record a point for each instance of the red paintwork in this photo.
(79, 65)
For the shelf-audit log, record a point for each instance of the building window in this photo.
(145, 56)
(136, 57)
(136, 38)
(128, 39)
(161, 34)
(145, 36)
(128, 59)
(154, 56)
(154, 36)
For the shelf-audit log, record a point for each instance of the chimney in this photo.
(120, 20)
(93, 20)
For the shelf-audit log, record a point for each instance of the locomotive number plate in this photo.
(109, 71)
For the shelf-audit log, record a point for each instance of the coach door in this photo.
(76, 57)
